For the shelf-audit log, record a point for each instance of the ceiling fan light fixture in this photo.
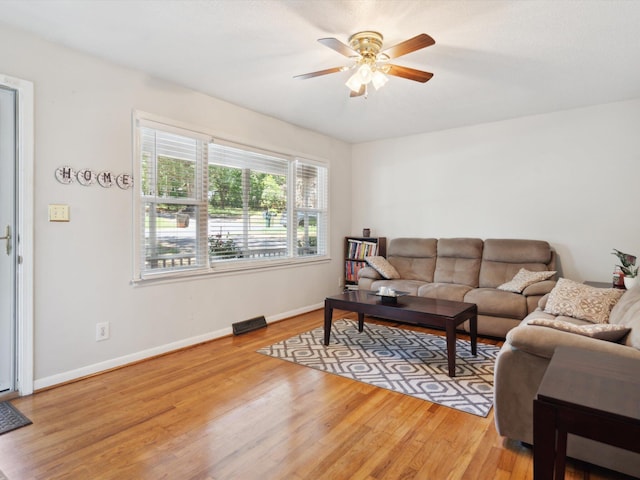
(378, 79)
(365, 73)
(354, 83)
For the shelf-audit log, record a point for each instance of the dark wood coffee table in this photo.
(426, 312)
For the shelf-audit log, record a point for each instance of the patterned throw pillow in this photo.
(581, 301)
(602, 331)
(524, 278)
(383, 267)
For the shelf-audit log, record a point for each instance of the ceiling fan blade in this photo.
(410, 73)
(359, 93)
(338, 46)
(416, 43)
(319, 72)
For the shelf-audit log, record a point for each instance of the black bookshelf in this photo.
(355, 251)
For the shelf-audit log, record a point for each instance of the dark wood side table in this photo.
(592, 283)
(586, 393)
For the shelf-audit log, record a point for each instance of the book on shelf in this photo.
(359, 249)
(351, 269)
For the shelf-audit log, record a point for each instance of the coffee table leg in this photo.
(473, 332)
(360, 322)
(328, 315)
(451, 348)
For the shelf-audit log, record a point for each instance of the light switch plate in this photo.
(58, 213)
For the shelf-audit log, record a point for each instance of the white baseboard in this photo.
(293, 313)
(70, 375)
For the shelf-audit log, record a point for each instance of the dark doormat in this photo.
(11, 418)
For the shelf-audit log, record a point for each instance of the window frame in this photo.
(141, 273)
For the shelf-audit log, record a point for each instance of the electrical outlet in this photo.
(102, 331)
(340, 282)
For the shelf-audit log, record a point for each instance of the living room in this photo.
(567, 176)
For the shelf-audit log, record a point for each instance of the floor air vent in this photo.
(249, 325)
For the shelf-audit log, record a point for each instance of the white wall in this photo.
(570, 178)
(83, 112)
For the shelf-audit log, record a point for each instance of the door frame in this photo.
(25, 233)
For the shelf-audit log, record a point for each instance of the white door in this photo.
(8, 258)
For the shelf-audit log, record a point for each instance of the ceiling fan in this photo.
(371, 63)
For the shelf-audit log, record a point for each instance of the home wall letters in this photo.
(87, 177)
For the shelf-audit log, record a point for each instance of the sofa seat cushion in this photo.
(540, 314)
(491, 326)
(444, 291)
(400, 285)
(498, 303)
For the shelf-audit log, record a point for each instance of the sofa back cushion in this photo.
(414, 258)
(503, 258)
(627, 312)
(458, 261)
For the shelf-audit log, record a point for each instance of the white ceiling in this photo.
(493, 59)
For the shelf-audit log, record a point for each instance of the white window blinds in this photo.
(248, 197)
(214, 205)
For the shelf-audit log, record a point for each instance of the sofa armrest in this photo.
(369, 272)
(536, 292)
(542, 303)
(539, 288)
(542, 342)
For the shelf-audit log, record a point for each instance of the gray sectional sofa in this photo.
(469, 270)
(524, 358)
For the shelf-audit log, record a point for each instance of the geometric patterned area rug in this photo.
(404, 361)
(11, 418)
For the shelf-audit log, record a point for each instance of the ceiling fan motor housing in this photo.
(367, 43)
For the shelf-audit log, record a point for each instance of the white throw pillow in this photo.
(524, 278)
(383, 267)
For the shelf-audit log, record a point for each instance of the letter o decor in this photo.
(87, 177)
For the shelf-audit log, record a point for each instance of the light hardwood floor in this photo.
(221, 411)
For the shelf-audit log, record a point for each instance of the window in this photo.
(210, 205)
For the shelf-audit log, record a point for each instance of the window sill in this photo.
(220, 269)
